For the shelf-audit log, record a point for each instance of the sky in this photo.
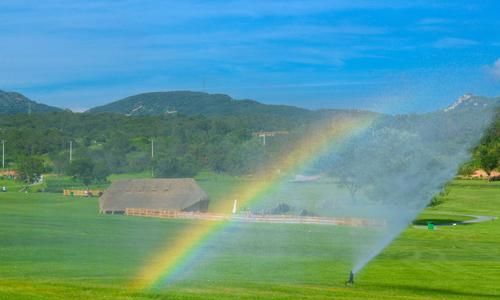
(387, 56)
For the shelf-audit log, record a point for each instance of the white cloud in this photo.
(433, 25)
(494, 70)
(433, 21)
(454, 43)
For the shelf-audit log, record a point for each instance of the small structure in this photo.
(479, 173)
(430, 225)
(176, 194)
(494, 176)
(10, 174)
(304, 178)
(269, 133)
(264, 134)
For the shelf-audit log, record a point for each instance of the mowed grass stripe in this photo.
(55, 247)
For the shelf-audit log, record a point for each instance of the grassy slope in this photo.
(460, 261)
(52, 247)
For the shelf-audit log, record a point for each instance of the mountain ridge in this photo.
(16, 103)
(471, 101)
(192, 103)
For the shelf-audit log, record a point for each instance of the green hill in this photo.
(15, 103)
(195, 103)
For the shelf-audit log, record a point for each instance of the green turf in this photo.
(10, 184)
(56, 247)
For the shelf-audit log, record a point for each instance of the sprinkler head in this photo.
(351, 279)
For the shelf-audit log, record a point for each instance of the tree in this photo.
(173, 167)
(83, 170)
(60, 161)
(489, 157)
(101, 172)
(30, 168)
(349, 167)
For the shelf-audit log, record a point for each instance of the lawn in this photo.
(56, 247)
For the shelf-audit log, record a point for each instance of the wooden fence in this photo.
(83, 193)
(251, 218)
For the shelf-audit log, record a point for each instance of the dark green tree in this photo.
(489, 157)
(174, 167)
(30, 168)
(82, 170)
(101, 172)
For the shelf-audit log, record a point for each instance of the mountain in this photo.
(15, 103)
(469, 102)
(196, 103)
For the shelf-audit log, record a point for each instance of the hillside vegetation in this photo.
(208, 132)
(15, 103)
(198, 103)
(487, 154)
(183, 145)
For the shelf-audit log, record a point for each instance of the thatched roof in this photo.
(169, 194)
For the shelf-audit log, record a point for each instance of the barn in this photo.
(176, 194)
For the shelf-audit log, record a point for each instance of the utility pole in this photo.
(152, 157)
(263, 136)
(3, 154)
(235, 206)
(70, 151)
(152, 148)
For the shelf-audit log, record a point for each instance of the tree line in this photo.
(181, 146)
(168, 146)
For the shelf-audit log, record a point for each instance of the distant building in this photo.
(303, 178)
(264, 134)
(11, 173)
(176, 194)
(269, 133)
(480, 173)
(494, 173)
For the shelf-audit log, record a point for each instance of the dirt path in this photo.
(476, 219)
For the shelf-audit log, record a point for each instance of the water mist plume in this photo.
(384, 168)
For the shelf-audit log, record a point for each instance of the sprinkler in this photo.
(351, 279)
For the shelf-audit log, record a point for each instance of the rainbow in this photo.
(177, 254)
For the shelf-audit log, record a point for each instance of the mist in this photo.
(387, 173)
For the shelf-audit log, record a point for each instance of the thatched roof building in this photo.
(179, 194)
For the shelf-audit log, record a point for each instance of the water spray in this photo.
(387, 169)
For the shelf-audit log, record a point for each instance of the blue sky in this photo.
(390, 56)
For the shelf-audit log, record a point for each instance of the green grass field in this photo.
(56, 247)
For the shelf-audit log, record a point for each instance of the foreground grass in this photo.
(53, 247)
